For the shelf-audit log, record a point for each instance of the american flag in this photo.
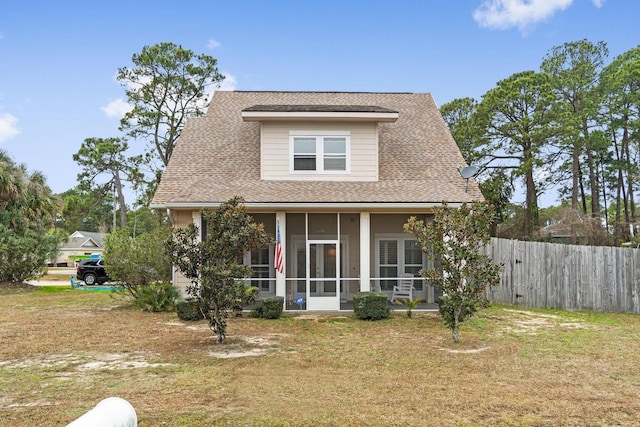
(279, 260)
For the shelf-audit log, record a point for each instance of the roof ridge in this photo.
(324, 91)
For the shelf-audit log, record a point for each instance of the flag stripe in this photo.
(279, 261)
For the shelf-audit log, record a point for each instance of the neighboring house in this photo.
(80, 243)
(559, 232)
(337, 173)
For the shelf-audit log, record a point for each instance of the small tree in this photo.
(454, 239)
(214, 265)
(137, 262)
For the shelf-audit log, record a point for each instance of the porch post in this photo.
(365, 256)
(281, 279)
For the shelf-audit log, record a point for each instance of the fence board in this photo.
(571, 277)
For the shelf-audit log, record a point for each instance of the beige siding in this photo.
(182, 219)
(274, 150)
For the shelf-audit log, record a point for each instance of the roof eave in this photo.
(292, 206)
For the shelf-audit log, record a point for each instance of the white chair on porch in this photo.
(404, 289)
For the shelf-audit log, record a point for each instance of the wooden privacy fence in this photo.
(569, 277)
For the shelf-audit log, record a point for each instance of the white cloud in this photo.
(229, 82)
(598, 3)
(503, 14)
(117, 108)
(212, 44)
(8, 126)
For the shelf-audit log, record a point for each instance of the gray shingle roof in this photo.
(218, 155)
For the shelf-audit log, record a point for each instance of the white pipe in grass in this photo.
(110, 412)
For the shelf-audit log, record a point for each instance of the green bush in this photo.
(370, 306)
(137, 262)
(271, 308)
(189, 310)
(156, 297)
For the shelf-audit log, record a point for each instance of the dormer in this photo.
(319, 142)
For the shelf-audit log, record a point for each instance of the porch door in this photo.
(323, 281)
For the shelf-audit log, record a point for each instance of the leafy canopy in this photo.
(214, 265)
(455, 238)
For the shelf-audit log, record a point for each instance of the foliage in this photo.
(454, 239)
(137, 262)
(370, 306)
(458, 114)
(214, 264)
(620, 87)
(271, 308)
(105, 167)
(145, 220)
(410, 304)
(518, 119)
(574, 70)
(189, 310)
(27, 213)
(248, 297)
(156, 297)
(166, 85)
(85, 209)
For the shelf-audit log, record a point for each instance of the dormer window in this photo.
(319, 151)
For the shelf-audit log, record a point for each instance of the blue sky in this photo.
(58, 59)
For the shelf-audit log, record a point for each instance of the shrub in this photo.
(248, 296)
(189, 310)
(370, 306)
(137, 262)
(271, 308)
(156, 297)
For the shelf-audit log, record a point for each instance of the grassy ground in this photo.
(63, 351)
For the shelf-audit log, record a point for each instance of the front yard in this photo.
(63, 352)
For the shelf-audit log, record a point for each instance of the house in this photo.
(335, 174)
(79, 244)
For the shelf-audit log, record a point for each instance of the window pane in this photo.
(261, 272)
(388, 251)
(387, 285)
(335, 146)
(260, 256)
(304, 163)
(304, 145)
(335, 163)
(412, 254)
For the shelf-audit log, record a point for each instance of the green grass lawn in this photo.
(63, 351)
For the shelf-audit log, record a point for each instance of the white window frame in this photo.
(320, 154)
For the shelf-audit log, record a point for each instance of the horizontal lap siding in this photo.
(570, 277)
(275, 150)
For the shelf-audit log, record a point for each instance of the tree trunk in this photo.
(575, 176)
(593, 173)
(123, 206)
(531, 216)
(455, 331)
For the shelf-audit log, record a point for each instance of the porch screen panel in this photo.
(261, 266)
(413, 261)
(388, 253)
(323, 226)
(296, 252)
